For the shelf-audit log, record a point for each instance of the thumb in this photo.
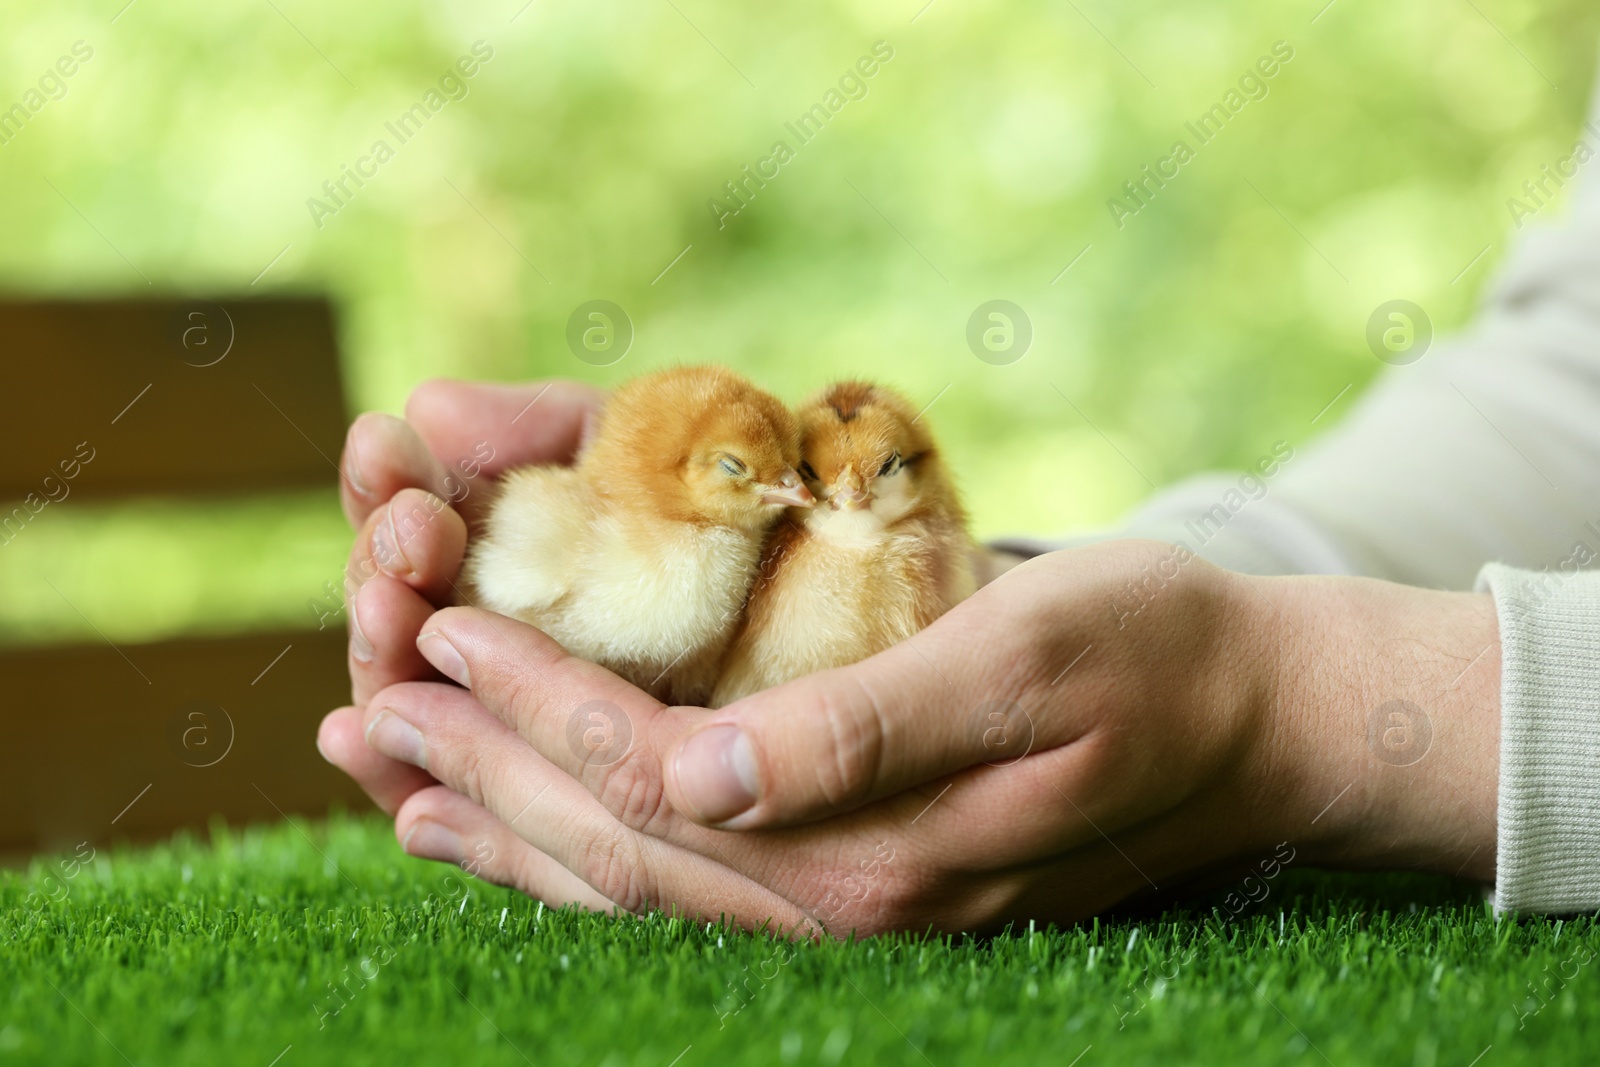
(839, 739)
(503, 426)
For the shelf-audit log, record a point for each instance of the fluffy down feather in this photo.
(883, 554)
(641, 556)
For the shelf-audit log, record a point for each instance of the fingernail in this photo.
(430, 841)
(321, 752)
(390, 735)
(352, 471)
(360, 647)
(386, 546)
(716, 770)
(437, 650)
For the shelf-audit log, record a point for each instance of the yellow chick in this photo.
(640, 556)
(883, 554)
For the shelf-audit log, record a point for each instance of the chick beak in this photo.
(848, 494)
(790, 492)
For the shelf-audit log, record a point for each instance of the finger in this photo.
(610, 737)
(446, 730)
(440, 824)
(593, 725)
(385, 618)
(415, 537)
(456, 432)
(388, 782)
(1006, 813)
(383, 455)
(954, 696)
(494, 427)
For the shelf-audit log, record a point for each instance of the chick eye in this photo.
(807, 473)
(731, 466)
(890, 466)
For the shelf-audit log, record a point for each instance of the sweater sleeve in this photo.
(1549, 797)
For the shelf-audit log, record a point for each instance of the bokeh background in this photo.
(1222, 317)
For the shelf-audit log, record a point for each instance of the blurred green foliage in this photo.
(978, 165)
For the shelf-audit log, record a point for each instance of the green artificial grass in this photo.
(230, 950)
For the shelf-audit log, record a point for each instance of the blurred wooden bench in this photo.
(177, 398)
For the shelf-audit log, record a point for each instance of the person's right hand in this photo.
(410, 488)
(1105, 723)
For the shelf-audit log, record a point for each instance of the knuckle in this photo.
(470, 773)
(413, 513)
(519, 691)
(839, 909)
(614, 865)
(633, 791)
(856, 732)
(394, 694)
(898, 899)
(362, 564)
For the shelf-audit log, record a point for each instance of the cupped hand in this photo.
(410, 487)
(1096, 725)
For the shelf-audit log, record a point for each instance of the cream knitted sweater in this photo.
(1476, 466)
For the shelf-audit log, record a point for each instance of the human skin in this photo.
(1094, 726)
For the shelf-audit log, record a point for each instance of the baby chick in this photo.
(883, 554)
(640, 556)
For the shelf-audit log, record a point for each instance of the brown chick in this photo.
(640, 556)
(883, 554)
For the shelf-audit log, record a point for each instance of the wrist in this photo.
(1383, 721)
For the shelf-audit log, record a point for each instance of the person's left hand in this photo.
(410, 488)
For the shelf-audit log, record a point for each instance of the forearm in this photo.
(1451, 732)
(1385, 716)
